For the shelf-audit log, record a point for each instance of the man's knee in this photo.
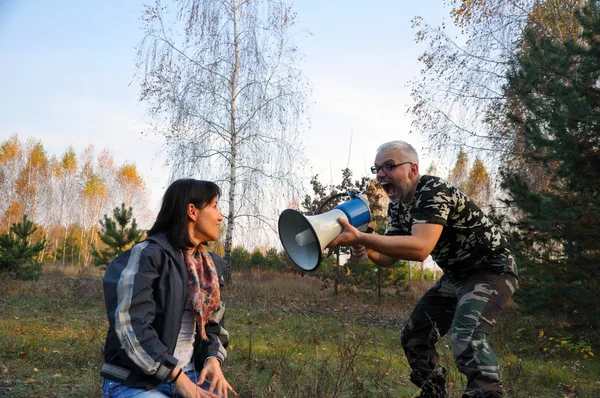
(406, 334)
(474, 352)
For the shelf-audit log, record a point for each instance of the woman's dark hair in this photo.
(172, 218)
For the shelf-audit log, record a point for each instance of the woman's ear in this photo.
(192, 212)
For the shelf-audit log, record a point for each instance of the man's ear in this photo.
(414, 170)
(192, 212)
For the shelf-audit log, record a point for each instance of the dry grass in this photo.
(290, 338)
(288, 292)
(52, 334)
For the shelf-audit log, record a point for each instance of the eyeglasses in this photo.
(386, 168)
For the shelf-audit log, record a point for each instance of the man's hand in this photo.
(358, 251)
(218, 383)
(349, 237)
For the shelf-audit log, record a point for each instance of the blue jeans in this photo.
(114, 389)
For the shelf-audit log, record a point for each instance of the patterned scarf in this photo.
(205, 293)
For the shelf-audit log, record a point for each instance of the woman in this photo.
(162, 296)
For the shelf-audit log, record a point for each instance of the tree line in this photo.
(522, 90)
(65, 196)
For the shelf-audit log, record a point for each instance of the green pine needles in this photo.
(555, 105)
(18, 254)
(116, 236)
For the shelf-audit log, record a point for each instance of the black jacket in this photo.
(145, 291)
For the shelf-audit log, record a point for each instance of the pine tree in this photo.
(555, 103)
(115, 235)
(17, 253)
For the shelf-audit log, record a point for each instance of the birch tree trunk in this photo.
(219, 80)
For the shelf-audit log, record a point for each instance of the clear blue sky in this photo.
(67, 77)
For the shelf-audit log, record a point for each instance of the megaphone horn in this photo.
(305, 237)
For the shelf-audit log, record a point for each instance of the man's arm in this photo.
(384, 250)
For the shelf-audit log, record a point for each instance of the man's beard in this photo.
(401, 194)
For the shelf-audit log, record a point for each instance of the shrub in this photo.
(116, 236)
(18, 254)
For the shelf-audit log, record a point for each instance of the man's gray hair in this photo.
(407, 152)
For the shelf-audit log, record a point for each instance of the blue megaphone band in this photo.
(356, 210)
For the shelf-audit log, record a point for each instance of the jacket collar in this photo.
(161, 240)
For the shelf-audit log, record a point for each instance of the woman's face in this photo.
(206, 222)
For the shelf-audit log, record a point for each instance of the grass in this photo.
(289, 338)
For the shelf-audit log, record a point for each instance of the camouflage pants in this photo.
(468, 307)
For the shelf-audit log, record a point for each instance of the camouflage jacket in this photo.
(469, 240)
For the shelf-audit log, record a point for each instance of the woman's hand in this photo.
(188, 389)
(218, 383)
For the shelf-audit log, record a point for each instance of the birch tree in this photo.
(11, 162)
(65, 177)
(479, 185)
(458, 99)
(459, 174)
(474, 180)
(220, 82)
(32, 179)
(132, 191)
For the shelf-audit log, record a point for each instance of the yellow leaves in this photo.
(427, 59)
(14, 212)
(37, 158)
(68, 162)
(552, 345)
(475, 182)
(556, 18)
(10, 150)
(471, 12)
(128, 175)
(95, 187)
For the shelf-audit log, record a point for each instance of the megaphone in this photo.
(305, 237)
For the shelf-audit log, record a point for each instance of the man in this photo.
(427, 215)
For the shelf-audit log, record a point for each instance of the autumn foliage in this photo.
(65, 196)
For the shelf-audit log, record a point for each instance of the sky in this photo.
(67, 77)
